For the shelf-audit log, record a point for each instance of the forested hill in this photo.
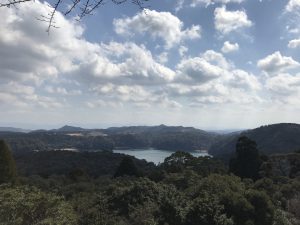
(13, 129)
(150, 129)
(270, 139)
(173, 138)
(67, 128)
(276, 138)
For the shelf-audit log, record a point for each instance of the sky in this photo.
(211, 64)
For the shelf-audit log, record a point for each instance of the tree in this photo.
(263, 213)
(79, 8)
(28, 205)
(127, 167)
(8, 172)
(177, 161)
(206, 210)
(247, 161)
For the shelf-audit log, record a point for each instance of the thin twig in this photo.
(13, 3)
(86, 8)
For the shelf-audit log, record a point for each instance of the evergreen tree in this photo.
(7, 164)
(247, 161)
(127, 167)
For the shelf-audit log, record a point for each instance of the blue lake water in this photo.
(153, 155)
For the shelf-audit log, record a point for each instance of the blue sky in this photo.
(212, 64)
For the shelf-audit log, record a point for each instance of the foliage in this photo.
(271, 139)
(206, 210)
(79, 188)
(160, 137)
(7, 164)
(93, 164)
(127, 168)
(29, 206)
(247, 162)
(204, 166)
(41, 141)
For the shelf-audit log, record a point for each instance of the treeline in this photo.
(93, 164)
(184, 190)
(170, 140)
(43, 141)
(271, 139)
(277, 138)
(173, 141)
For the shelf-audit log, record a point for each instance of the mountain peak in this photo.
(67, 128)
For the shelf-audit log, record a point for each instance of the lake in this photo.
(153, 155)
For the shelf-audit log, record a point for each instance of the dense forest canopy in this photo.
(90, 188)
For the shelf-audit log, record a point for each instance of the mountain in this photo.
(270, 139)
(149, 129)
(276, 138)
(13, 129)
(173, 138)
(67, 128)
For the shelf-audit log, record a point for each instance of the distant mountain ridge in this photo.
(270, 139)
(149, 129)
(172, 138)
(14, 129)
(276, 138)
(68, 128)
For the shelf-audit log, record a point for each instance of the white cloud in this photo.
(163, 57)
(126, 63)
(228, 21)
(228, 1)
(230, 47)
(211, 79)
(37, 70)
(179, 5)
(243, 80)
(198, 69)
(284, 84)
(206, 3)
(292, 5)
(276, 63)
(209, 66)
(131, 94)
(161, 25)
(294, 43)
(182, 50)
(26, 50)
(62, 91)
(16, 88)
(285, 88)
(38, 66)
(217, 59)
(211, 2)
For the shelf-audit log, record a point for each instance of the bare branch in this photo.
(100, 2)
(13, 3)
(50, 17)
(75, 3)
(84, 8)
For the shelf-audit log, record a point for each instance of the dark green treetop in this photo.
(127, 168)
(8, 171)
(247, 161)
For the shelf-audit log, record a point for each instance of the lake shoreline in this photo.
(154, 155)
